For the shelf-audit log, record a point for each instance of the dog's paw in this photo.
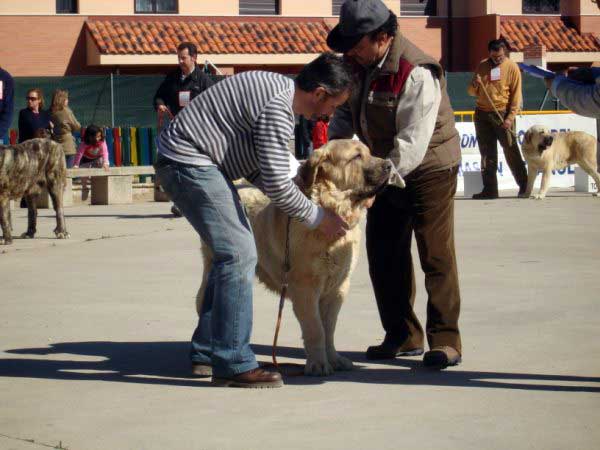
(62, 234)
(316, 368)
(523, 195)
(339, 362)
(538, 197)
(6, 241)
(27, 235)
(596, 194)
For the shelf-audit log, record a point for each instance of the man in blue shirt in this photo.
(7, 90)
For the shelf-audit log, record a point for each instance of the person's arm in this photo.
(79, 154)
(255, 178)
(416, 115)
(22, 125)
(516, 96)
(340, 125)
(6, 114)
(161, 95)
(73, 122)
(206, 81)
(584, 99)
(272, 133)
(105, 158)
(473, 87)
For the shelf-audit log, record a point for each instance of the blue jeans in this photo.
(69, 159)
(210, 202)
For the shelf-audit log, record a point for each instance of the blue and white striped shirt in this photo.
(243, 126)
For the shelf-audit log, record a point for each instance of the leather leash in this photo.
(284, 286)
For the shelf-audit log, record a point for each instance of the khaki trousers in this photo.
(426, 208)
(488, 128)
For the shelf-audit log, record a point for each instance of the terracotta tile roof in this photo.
(556, 34)
(211, 35)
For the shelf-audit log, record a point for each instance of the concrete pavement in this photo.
(94, 337)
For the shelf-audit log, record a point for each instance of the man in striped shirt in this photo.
(241, 127)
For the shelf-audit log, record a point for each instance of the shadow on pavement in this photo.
(166, 363)
(120, 216)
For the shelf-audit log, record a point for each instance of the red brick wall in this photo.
(43, 45)
(589, 24)
(470, 39)
(427, 34)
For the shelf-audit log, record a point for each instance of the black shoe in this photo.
(485, 195)
(175, 211)
(390, 351)
(441, 357)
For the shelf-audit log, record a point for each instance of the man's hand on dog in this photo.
(370, 202)
(332, 225)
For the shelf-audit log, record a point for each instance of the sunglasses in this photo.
(31, 98)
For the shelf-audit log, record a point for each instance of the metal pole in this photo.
(112, 102)
(213, 66)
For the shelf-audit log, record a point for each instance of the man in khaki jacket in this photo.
(497, 79)
(400, 109)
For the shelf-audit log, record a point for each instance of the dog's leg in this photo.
(532, 171)
(56, 194)
(545, 184)
(306, 309)
(31, 216)
(5, 220)
(591, 171)
(330, 307)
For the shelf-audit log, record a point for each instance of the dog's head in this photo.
(342, 175)
(538, 138)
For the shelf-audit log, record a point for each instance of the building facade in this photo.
(78, 37)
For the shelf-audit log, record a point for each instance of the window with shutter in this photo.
(541, 6)
(66, 6)
(335, 7)
(418, 8)
(156, 6)
(259, 7)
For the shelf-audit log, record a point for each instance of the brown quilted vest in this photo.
(379, 94)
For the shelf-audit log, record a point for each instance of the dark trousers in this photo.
(425, 207)
(488, 128)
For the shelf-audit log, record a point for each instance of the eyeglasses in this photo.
(31, 98)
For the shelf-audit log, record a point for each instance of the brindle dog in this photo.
(24, 170)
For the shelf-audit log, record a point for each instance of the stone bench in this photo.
(109, 187)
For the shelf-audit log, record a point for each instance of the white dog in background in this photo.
(547, 151)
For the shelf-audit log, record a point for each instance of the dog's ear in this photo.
(307, 172)
(527, 138)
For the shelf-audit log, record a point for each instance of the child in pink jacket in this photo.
(92, 152)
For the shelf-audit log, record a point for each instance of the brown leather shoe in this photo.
(255, 378)
(441, 357)
(201, 370)
(485, 195)
(387, 350)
